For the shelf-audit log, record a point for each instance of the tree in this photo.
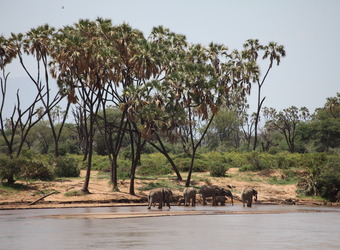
(39, 43)
(324, 128)
(208, 77)
(273, 52)
(81, 65)
(224, 130)
(333, 105)
(21, 121)
(285, 122)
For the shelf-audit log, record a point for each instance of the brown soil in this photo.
(102, 194)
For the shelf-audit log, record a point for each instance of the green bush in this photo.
(254, 159)
(237, 160)
(153, 167)
(246, 168)
(328, 181)
(124, 169)
(35, 170)
(9, 167)
(66, 167)
(100, 162)
(183, 164)
(218, 169)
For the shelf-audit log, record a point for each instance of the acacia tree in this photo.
(273, 52)
(285, 122)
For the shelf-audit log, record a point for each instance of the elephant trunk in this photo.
(255, 197)
(232, 200)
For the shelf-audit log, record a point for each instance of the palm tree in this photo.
(333, 105)
(38, 43)
(274, 52)
(82, 66)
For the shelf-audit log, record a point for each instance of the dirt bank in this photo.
(102, 194)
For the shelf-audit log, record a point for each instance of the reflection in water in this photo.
(317, 229)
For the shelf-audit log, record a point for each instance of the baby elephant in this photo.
(181, 201)
(189, 194)
(247, 196)
(159, 196)
(219, 199)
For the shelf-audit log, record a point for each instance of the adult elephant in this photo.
(160, 196)
(189, 194)
(247, 196)
(214, 191)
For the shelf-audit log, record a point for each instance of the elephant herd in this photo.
(218, 194)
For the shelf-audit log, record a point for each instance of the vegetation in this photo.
(155, 105)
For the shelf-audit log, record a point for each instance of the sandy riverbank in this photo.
(102, 194)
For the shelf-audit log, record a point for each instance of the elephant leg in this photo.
(215, 203)
(149, 202)
(193, 202)
(204, 201)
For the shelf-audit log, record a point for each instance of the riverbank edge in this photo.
(141, 202)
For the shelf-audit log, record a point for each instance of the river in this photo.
(260, 227)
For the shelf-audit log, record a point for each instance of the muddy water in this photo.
(260, 227)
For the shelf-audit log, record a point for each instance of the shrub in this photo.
(183, 164)
(218, 169)
(254, 159)
(124, 167)
(66, 167)
(246, 168)
(100, 162)
(153, 167)
(328, 181)
(237, 160)
(9, 167)
(35, 170)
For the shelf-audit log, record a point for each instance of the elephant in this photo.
(213, 191)
(160, 196)
(189, 194)
(247, 196)
(220, 199)
(180, 201)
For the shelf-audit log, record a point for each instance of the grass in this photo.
(46, 191)
(74, 193)
(316, 198)
(244, 176)
(102, 176)
(273, 180)
(13, 187)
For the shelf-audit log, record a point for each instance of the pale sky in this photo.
(309, 30)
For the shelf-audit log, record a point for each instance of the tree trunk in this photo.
(187, 183)
(113, 171)
(165, 153)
